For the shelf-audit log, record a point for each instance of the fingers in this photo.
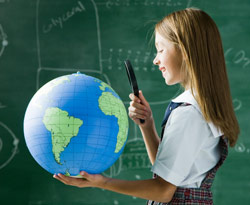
(144, 101)
(64, 179)
(134, 98)
(88, 180)
(137, 114)
(79, 182)
(141, 99)
(85, 175)
(139, 108)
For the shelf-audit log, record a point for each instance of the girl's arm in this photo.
(152, 189)
(151, 140)
(140, 109)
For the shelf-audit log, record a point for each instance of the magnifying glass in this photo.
(132, 80)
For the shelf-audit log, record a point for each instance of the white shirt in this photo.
(190, 145)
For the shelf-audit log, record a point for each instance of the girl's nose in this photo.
(156, 61)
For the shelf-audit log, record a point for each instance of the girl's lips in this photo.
(162, 69)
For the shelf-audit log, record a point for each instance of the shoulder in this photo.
(187, 113)
(191, 115)
(187, 124)
(189, 108)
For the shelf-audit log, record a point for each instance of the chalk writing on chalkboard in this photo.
(140, 59)
(134, 157)
(8, 145)
(60, 20)
(3, 40)
(146, 3)
(241, 148)
(237, 104)
(238, 57)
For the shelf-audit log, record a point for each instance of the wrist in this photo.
(148, 124)
(104, 182)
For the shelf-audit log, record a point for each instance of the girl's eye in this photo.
(160, 51)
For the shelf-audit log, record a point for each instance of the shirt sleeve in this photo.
(182, 142)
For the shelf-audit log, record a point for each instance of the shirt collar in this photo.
(187, 97)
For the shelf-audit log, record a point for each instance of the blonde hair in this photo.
(204, 69)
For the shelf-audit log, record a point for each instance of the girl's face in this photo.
(169, 60)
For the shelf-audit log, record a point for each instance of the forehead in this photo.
(159, 40)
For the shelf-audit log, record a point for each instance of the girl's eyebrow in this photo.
(157, 44)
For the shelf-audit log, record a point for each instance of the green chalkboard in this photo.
(44, 39)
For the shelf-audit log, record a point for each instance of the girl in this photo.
(197, 125)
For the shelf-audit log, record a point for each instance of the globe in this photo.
(75, 122)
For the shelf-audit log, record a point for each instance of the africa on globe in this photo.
(76, 123)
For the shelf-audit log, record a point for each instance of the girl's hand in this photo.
(88, 180)
(140, 109)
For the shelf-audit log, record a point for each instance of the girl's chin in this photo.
(169, 82)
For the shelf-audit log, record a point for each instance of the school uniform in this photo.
(190, 152)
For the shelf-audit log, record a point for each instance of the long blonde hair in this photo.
(204, 69)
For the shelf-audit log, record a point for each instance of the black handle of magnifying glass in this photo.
(132, 81)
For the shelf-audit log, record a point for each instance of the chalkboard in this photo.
(44, 39)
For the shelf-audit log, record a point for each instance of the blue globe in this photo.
(76, 122)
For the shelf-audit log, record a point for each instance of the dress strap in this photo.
(170, 108)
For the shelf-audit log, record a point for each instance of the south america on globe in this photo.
(76, 123)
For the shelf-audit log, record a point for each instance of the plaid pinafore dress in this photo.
(194, 196)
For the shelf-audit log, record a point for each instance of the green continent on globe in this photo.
(103, 86)
(62, 127)
(111, 105)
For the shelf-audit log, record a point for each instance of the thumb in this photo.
(84, 174)
(144, 101)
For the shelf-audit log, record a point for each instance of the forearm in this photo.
(151, 189)
(156, 189)
(151, 140)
